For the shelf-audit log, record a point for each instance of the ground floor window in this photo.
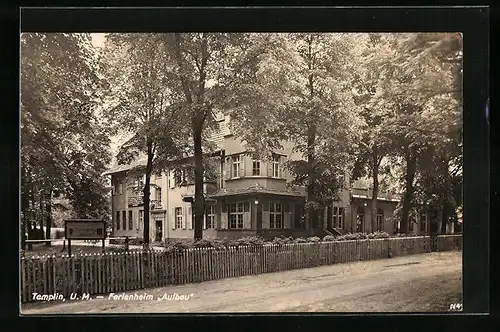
(210, 217)
(380, 220)
(124, 220)
(178, 217)
(275, 215)
(117, 219)
(236, 215)
(423, 222)
(141, 217)
(130, 220)
(338, 217)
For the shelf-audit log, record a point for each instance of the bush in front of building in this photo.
(329, 238)
(281, 240)
(313, 239)
(250, 241)
(378, 235)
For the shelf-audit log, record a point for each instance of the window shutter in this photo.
(247, 221)
(171, 180)
(184, 217)
(265, 219)
(288, 219)
(243, 167)
(227, 168)
(224, 217)
(269, 163)
(280, 167)
(172, 218)
(265, 215)
(205, 218)
(189, 218)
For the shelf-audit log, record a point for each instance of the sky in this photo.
(98, 39)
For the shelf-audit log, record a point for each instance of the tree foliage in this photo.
(64, 148)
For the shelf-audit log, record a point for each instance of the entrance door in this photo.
(159, 226)
(360, 220)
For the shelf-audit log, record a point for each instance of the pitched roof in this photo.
(217, 137)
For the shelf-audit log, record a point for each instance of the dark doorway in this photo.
(159, 230)
(259, 215)
(360, 220)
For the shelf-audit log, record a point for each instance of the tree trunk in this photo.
(441, 221)
(375, 171)
(310, 211)
(311, 141)
(24, 207)
(146, 191)
(411, 166)
(48, 217)
(198, 182)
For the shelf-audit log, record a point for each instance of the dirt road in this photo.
(417, 283)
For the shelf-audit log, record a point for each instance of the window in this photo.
(124, 217)
(338, 217)
(236, 166)
(117, 219)
(139, 182)
(423, 222)
(275, 215)
(236, 215)
(178, 217)
(276, 166)
(118, 187)
(210, 221)
(380, 220)
(256, 167)
(141, 217)
(158, 195)
(130, 220)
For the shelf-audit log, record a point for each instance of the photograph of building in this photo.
(241, 172)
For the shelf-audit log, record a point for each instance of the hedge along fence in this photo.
(113, 272)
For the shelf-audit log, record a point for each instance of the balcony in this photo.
(135, 201)
(156, 205)
(368, 192)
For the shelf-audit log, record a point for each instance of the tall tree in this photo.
(300, 91)
(204, 68)
(143, 107)
(59, 97)
(375, 141)
(426, 69)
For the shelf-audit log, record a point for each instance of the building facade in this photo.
(246, 197)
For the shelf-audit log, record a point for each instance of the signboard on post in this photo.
(84, 229)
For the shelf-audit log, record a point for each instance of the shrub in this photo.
(250, 241)
(203, 243)
(329, 238)
(300, 240)
(379, 235)
(313, 239)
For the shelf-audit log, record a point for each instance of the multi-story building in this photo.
(247, 196)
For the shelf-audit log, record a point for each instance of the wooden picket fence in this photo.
(113, 272)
